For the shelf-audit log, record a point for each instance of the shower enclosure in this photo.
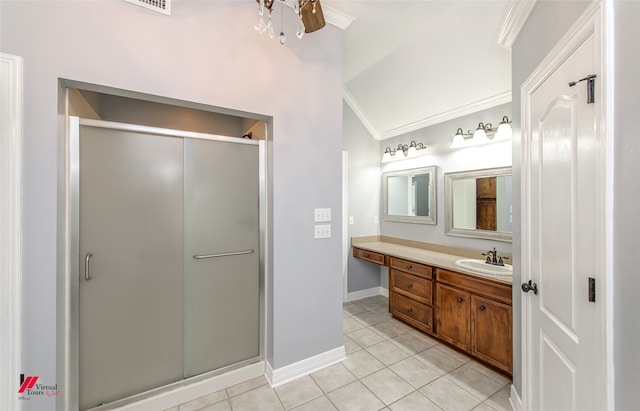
(168, 245)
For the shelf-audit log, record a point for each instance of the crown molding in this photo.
(357, 110)
(516, 15)
(502, 98)
(336, 17)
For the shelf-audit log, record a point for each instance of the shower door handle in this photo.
(87, 274)
(202, 257)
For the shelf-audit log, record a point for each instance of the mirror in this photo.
(410, 195)
(478, 204)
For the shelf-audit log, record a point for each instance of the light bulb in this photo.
(301, 29)
(480, 136)
(458, 141)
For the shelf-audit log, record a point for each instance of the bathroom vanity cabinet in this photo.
(468, 312)
(410, 293)
(474, 314)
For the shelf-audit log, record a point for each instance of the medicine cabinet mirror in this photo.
(410, 195)
(478, 204)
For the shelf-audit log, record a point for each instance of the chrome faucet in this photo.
(493, 258)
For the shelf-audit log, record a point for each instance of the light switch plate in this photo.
(321, 215)
(322, 231)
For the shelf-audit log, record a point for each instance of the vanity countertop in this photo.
(425, 256)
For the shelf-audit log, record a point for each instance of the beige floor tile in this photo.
(411, 343)
(372, 318)
(483, 407)
(437, 359)
(489, 373)
(475, 382)
(361, 363)
(452, 353)
(350, 345)
(449, 396)
(204, 401)
(319, 404)
(387, 352)
(246, 386)
(298, 391)
(333, 377)
(353, 308)
(415, 401)
(259, 399)
(355, 397)
(220, 406)
(500, 400)
(365, 337)
(390, 328)
(387, 386)
(351, 324)
(415, 372)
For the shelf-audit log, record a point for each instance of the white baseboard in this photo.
(305, 367)
(369, 292)
(514, 399)
(180, 395)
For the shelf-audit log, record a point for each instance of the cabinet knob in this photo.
(409, 285)
(367, 255)
(409, 310)
(481, 308)
(459, 300)
(409, 267)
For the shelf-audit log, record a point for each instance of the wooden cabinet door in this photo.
(453, 315)
(491, 332)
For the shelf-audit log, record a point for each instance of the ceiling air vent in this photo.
(161, 6)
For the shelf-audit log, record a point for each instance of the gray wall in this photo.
(437, 138)
(534, 42)
(364, 186)
(626, 241)
(208, 53)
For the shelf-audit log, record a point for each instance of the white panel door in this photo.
(563, 237)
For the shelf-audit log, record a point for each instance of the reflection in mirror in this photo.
(410, 195)
(478, 204)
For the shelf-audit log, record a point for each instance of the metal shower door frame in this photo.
(68, 286)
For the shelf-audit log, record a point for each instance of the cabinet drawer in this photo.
(368, 255)
(488, 288)
(411, 267)
(418, 288)
(417, 314)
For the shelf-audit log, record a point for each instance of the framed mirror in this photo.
(478, 204)
(410, 195)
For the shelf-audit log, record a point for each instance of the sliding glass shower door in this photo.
(222, 250)
(169, 258)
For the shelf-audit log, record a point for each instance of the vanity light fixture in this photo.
(403, 151)
(484, 133)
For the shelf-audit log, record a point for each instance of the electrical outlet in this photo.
(375, 219)
(350, 220)
(322, 231)
(321, 215)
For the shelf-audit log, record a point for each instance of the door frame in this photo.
(68, 335)
(594, 20)
(11, 228)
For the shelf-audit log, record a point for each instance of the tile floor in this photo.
(389, 366)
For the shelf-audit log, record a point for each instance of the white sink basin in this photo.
(480, 266)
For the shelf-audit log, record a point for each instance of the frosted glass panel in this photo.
(131, 221)
(222, 317)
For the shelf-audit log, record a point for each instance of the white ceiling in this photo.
(411, 64)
